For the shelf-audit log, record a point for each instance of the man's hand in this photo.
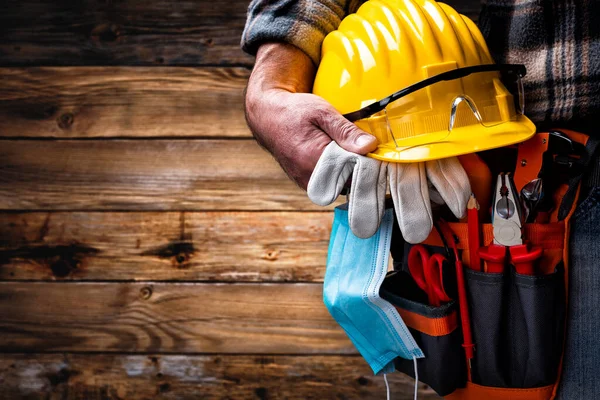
(292, 124)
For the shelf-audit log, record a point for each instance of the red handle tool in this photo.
(446, 232)
(524, 258)
(494, 256)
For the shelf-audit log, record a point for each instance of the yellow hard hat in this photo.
(418, 76)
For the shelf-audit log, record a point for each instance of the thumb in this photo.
(347, 135)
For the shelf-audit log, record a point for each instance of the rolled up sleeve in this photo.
(302, 23)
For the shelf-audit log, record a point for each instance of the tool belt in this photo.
(516, 321)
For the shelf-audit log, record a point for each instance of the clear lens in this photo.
(430, 114)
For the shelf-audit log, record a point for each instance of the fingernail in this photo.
(365, 140)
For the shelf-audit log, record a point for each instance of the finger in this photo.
(330, 174)
(344, 132)
(408, 185)
(452, 183)
(367, 196)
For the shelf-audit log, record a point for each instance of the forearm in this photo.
(280, 66)
(290, 122)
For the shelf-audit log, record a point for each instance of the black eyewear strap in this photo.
(518, 69)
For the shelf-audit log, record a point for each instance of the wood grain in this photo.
(128, 32)
(76, 102)
(182, 175)
(168, 318)
(131, 32)
(101, 376)
(198, 246)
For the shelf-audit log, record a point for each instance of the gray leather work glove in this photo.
(408, 186)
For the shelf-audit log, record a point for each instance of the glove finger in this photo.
(367, 196)
(408, 185)
(452, 183)
(330, 174)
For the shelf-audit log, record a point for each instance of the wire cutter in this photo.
(427, 271)
(508, 232)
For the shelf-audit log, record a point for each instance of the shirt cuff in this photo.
(302, 23)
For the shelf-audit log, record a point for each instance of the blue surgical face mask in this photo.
(355, 271)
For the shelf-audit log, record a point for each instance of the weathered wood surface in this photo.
(100, 376)
(191, 246)
(75, 102)
(129, 32)
(168, 318)
(182, 175)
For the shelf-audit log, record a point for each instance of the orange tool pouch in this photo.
(517, 321)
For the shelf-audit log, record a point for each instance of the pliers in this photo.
(508, 232)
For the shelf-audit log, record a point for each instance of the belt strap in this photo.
(429, 326)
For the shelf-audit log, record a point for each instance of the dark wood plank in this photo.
(182, 175)
(198, 246)
(72, 102)
(168, 317)
(128, 32)
(101, 376)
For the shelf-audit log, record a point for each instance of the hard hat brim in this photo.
(464, 140)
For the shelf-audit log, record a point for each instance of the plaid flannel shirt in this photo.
(558, 41)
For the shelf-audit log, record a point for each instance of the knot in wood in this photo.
(62, 267)
(164, 387)
(362, 381)
(65, 120)
(181, 257)
(146, 292)
(106, 32)
(271, 255)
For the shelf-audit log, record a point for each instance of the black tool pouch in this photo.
(517, 322)
(436, 330)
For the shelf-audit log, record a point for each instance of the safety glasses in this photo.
(492, 94)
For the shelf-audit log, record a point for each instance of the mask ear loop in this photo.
(387, 386)
(416, 378)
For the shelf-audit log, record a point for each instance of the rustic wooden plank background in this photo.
(144, 175)
(129, 32)
(159, 246)
(77, 376)
(82, 102)
(148, 247)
